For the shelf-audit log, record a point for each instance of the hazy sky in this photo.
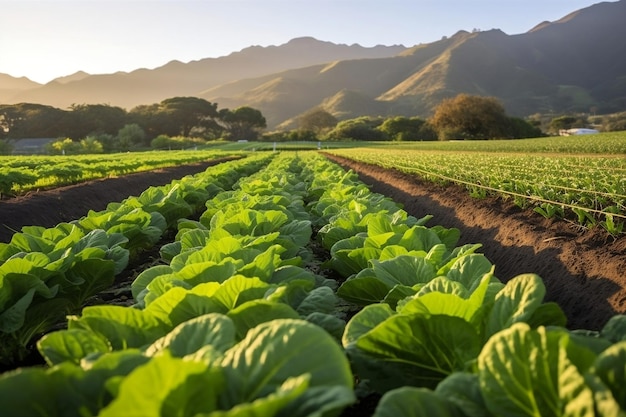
(46, 39)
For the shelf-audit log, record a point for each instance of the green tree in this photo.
(470, 117)
(28, 120)
(520, 128)
(176, 142)
(151, 120)
(615, 122)
(317, 120)
(64, 147)
(243, 123)
(362, 129)
(182, 114)
(428, 132)
(133, 135)
(85, 119)
(161, 142)
(91, 145)
(109, 142)
(566, 122)
(402, 128)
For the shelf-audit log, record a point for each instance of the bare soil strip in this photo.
(63, 204)
(584, 270)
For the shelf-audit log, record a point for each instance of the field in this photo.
(581, 264)
(589, 190)
(19, 174)
(582, 269)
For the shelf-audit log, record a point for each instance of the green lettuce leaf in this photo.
(414, 402)
(275, 351)
(531, 373)
(402, 350)
(167, 386)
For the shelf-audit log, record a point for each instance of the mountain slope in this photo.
(10, 86)
(144, 86)
(570, 65)
(289, 93)
(573, 64)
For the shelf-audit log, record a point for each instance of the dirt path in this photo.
(584, 271)
(48, 208)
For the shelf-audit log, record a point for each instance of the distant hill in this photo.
(12, 86)
(574, 64)
(144, 86)
(77, 76)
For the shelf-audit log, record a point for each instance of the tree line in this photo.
(464, 117)
(183, 122)
(173, 117)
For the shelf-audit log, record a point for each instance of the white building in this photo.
(577, 131)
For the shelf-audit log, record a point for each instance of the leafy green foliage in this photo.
(48, 273)
(284, 367)
(584, 189)
(234, 325)
(24, 173)
(361, 128)
(439, 330)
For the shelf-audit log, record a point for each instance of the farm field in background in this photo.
(577, 178)
(580, 178)
(610, 143)
(19, 174)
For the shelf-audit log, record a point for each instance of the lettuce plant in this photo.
(141, 228)
(38, 288)
(523, 371)
(398, 273)
(168, 303)
(441, 329)
(283, 367)
(47, 273)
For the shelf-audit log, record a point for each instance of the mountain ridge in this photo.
(570, 65)
(144, 86)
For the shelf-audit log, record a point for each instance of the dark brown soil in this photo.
(50, 207)
(584, 270)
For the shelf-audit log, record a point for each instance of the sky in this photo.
(46, 39)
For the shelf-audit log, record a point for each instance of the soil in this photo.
(583, 270)
(49, 207)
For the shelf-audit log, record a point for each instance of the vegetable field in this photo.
(19, 174)
(283, 286)
(588, 189)
(609, 143)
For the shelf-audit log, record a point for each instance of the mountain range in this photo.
(575, 64)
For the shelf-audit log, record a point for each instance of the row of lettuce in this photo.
(237, 319)
(19, 174)
(587, 189)
(46, 273)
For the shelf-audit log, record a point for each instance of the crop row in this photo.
(587, 189)
(19, 174)
(606, 143)
(47, 273)
(242, 318)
